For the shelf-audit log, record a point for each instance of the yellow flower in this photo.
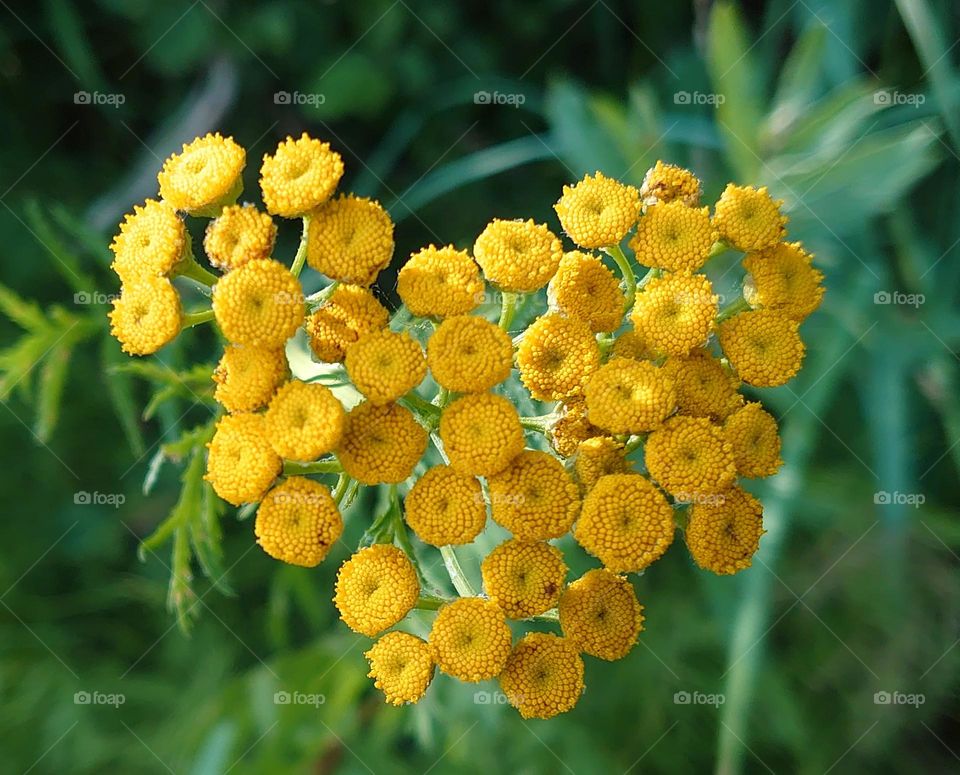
(704, 387)
(469, 354)
(470, 639)
(534, 497)
(259, 304)
(384, 365)
(724, 533)
(241, 464)
(247, 377)
(782, 278)
(630, 345)
(556, 357)
(381, 444)
(146, 316)
(627, 396)
(752, 433)
(585, 289)
(304, 421)
(439, 282)
(375, 589)
(444, 507)
(205, 176)
(673, 236)
(763, 346)
(524, 578)
(667, 183)
(596, 457)
(481, 434)
(748, 218)
(600, 614)
(675, 313)
(543, 676)
(341, 320)
(298, 522)
(625, 522)
(518, 256)
(689, 457)
(598, 212)
(241, 233)
(402, 667)
(151, 242)
(301, 175)
(571, 428)
(350, 239)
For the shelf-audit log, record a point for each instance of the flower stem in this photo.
(430, 602)
(298, 260)
(508, 308)
(190, 268)
(340, 490)
(539, 424)
(191, 319)
(316, 299)
(329, 466)
(629, 278)
(733, 308)
(457, 576)
(420, 405)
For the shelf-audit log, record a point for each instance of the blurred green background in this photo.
(848, 110)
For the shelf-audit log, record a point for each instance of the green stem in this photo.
(190, 268)
(539, 424)
(298, 260)
(629, 278)
(431, 602)
(457, 576)
(340, 490)
(316, 299)
(734, 308)
(508, 308)
(420, 405)
(191, 319)
(719, 247)
(634, 443)
(329, 466)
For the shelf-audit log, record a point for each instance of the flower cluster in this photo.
(645, 431)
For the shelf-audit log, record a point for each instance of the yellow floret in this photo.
(585, 289)
(470, 639)
(301, 175)
(723, 534)
(341, 320)
(350, 239)
(597, 457)
(571, 428)
(469, 354)
(627, 396)
(151, 242)
(782, 278)
(375, 589)
(748, 218)
(259, 304)
(763, 346)
(241, 464)
(402, 667)
(205, 176)
(298, 522)
(247, 377)
(675, 313)
(752, 433)
(689, 457)
(625, 522)
(705, 388)
(241, 233)
(524, 578)
(304, 421)
(534, 497)
(439, 282)
(543, 676)
(518, 256)
(668, 182)
(674, 236)
(383, 365)
(146, 316)
(481, 434)
(557, 356)
(631, 345)
(444, 507)
(381, 444)
(598, 211)
(600, 614)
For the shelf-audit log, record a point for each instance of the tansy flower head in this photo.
(534, 497)
(469, 354)
(704, 387)
(384, 365)
(763, 346)
(518, 256)
(247, 377)
(571, 428)
(402, 667)
(596, 457)
(752, 432)
(543, 676)
(667, 183)
(298, 522)
(381, 444)
(444, 507)
(748, 218)
(146, 316)
(481, 434)
(690, 457)
(600, 614)
(259, 304)
(470, 639)
(782, 278)
(598, 211)
(350, 239)
(375, 589)
(556, 357)
(524, 578)
(675, 313)
(241, 233)
(631, 345)
(627, 396)
(585, 289)
(152, 241)
(439, 282)
(205, 176)
(674, 236)
(301, 175)
(304, 421)
(724, 533)
(625, 522)
(241, 464)
(341, 320)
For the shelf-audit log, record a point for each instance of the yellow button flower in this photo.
(749, 218)
(534, 497)
(597, 457)
(752, 432)
(585, 289)
(598, 211)
(241, 233)
(381, 444)
(782, 278)
(350, 239)
(469, 354)
(341, 320)
(304, 421)
(204, 176)
(241, 464)
(631, 345)
(481, 434)
(675, 313)
(543, 676)
(668, 183)
(571, 428)
(627, 396)
(259, 304)
(151, 242)
(763, 346)
(384, 365)
(402, 667)
(439, 282)
(445, 507)
(690, 457)
(600, 614)
(724, 533)
(705, 388)
(301, 175)
(247, 377)
(470, 639)
(298, 522)
(518, 256)
(146, 316)
(673, 236)
(524, 578)
(375, 589)
(556, 357)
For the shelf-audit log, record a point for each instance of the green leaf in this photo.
(65, 261)
(53, 377)
(799, 82)
(120, 388)
(582, 138)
